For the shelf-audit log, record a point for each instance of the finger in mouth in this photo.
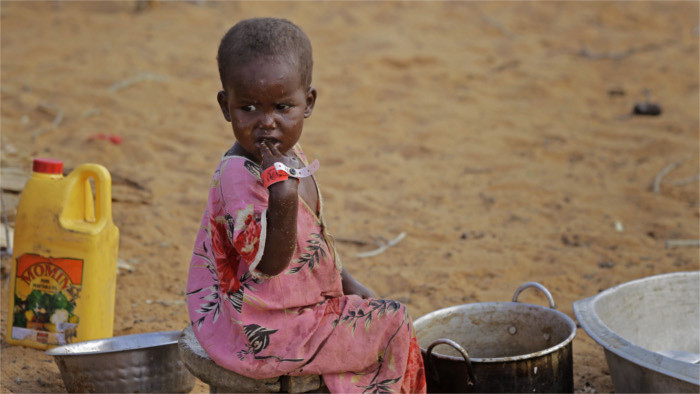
(269, 143)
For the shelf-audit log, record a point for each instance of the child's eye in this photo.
(282, 107)
(248, 108)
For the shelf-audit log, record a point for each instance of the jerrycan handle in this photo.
(103, 197)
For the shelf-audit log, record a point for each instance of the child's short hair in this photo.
(251, 39)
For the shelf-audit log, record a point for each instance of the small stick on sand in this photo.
(383, 247)
(121, 264)
(620, 55)
(675, 243)
(166, 302)
(352, 241)
(136, 79)
(58, 119)
(685, 181)
(657, 180)
(49, 109)
(497, 25)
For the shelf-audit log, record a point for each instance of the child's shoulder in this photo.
(239, 169)
(300, 153)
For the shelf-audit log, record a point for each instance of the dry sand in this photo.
(498, 136)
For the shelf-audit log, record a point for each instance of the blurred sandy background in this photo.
(498, 136)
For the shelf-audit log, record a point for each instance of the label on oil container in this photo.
(46, 292)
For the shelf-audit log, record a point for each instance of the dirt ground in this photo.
(498, 136)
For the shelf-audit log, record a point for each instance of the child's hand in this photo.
(352, 286)
(270, 155)
(359, 289)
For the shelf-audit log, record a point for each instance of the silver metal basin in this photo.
(650, 330)
(143, 363)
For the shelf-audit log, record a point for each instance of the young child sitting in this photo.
(267, 294)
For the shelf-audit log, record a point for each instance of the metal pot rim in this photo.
(618, 345)
(497, 305)
(95, 346)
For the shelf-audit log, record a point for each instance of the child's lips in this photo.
(267, 141)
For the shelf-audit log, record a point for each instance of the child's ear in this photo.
(222, 98)
(310, 101)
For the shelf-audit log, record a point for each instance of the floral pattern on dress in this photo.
(237, 298)
(254, 169)
(211, 300)
(225, 254)
(377, 308)
(247, 241)
(259, 339)
(414, 376)
(376, 305)
(313, 255)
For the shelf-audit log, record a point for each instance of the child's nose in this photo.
(268, 120)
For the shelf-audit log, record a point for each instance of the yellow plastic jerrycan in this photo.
(64, 269)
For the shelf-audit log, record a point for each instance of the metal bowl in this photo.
(648, 327)
(131, 363)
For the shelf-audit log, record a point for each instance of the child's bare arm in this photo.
(281, 233)
(352, 286)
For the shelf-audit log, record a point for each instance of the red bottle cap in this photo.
(48, 166)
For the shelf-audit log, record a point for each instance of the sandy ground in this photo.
(497, 136)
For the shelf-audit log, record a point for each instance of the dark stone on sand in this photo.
(650, 109)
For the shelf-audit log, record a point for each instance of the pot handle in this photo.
(540, 288)
(460, 349)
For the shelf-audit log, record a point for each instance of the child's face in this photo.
(265, 101)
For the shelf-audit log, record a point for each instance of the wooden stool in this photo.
(222, 380)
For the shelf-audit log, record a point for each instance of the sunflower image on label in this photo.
(46, 292)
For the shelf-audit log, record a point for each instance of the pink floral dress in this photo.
(298, 322)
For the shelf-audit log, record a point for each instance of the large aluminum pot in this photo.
(498, 347)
